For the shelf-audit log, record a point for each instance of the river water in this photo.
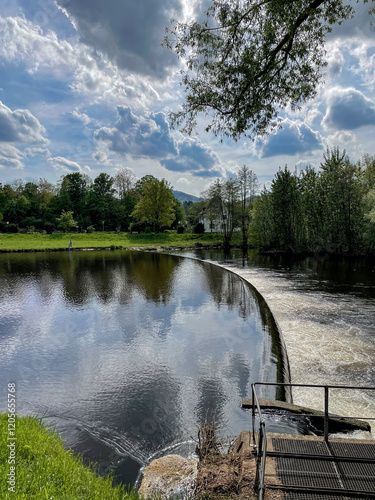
(325, 308)
(128, 353)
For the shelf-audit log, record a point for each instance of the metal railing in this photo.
(260, 438)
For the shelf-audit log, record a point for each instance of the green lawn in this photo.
(37, 241)
(43, 469)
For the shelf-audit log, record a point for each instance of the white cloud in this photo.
(23, 40)
(31, 151)
(137, 136)
(20, 126)
(66, 166)
(10, 157)
(82, 117)
(196, 158)
(87, 71)
(335, 60)
(348, 109)
(148, 136)
(342, 138)
(128, 33)
(293, 138)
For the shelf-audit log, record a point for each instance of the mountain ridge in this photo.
(182, 197)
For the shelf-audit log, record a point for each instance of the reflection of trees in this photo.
(239, 371)
(211, 401)
(153, 274)
(227, 288)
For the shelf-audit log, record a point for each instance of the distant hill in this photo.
(182, 197)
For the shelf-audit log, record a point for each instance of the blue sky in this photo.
(85, 85)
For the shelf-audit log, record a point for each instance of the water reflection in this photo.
(128, 353)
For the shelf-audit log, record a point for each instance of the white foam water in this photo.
(329, 340)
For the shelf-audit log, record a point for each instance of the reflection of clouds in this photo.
(211, 401)
(146, 361)
(239, 371)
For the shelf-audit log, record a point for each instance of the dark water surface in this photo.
(127, 353)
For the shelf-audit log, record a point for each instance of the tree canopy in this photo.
(250, 58)
(156, 204)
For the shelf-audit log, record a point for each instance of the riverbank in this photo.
(55, 242)
(34, 464)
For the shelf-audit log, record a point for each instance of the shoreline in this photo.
(150, 248)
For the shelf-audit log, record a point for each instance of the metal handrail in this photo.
(326, 398)
(260, 443)
(261, 447)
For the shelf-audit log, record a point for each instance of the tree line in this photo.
(331, 209)
(108, 203)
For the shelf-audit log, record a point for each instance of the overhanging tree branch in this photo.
(249, 59)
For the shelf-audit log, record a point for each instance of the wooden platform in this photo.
(310, 468)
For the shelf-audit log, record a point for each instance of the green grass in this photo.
(36, 241)
(45, 470)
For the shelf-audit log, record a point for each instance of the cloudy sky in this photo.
(85, 85)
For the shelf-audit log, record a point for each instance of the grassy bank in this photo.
(45, 470)
(36, 241)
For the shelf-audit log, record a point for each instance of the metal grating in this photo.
(357, 476)
(308, 480)
(300, 447)
(316, 496)
(343, 449)
(326, 472)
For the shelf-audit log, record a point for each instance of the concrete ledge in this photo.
(336, 423)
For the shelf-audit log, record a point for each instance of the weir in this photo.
(309, 467)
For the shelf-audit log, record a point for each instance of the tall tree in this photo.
(286, 206)
(102, 203)
(248, 183)
(261, 228)
(222, 202)
(249, 58)
(124, 181)
(72, 196)
(312, 210)
(156, 204)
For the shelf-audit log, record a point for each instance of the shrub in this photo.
(90, 229)
(11, 228)
(199, 228)
(180, 229)
(48, 226)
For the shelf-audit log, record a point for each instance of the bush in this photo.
(90, 229)
(199, 228)
(11, 228)
(48, 226)
(180, 229)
